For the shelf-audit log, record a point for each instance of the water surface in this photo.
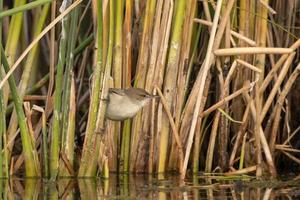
(149, 187)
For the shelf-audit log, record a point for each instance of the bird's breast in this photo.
(120, 108)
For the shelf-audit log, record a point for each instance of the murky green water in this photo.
(146, 187)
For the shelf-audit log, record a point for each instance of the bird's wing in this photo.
(117, 91)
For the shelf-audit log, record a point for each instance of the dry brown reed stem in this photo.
(34, 98)
(291, 157)
(173, 126)
(278, 64)
(251, 50)
(183, 77)
(248, 65)
(269, 8)
(211, 144)
(270, 43)
(11, 139)
(37, 39)
(217, 127)
(189, 106)
(262, 137)
(258, 106)
(223, 129)
(151, 140)
(206, 11)
(155, 44)
(287, 148)
(277, 84)
(292, 135)
(279, 104)
(223, 23)
(247, 86)
(169, 78)
(242, 171)
(144, 52)
(230, 74)
(67, 163)
(200, 127)
(233, 33)
(166, 30)
(206, 67)
(240, 133)
(154, 47)
(145, 44)
(128, 43)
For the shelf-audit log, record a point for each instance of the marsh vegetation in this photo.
(226, 72)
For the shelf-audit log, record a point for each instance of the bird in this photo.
(123, 104)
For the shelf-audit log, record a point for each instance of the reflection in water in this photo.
(148, 187)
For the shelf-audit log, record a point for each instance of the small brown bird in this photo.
(125, 103)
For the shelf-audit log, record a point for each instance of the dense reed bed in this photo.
(226, 73)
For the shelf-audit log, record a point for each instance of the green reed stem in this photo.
(88, 167)
(83, 44)
(29, 151)
(23, 8)
(2, 107)
(56, 127)
(45, 146)
(66, 134)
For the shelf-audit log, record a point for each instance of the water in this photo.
(148, 187)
